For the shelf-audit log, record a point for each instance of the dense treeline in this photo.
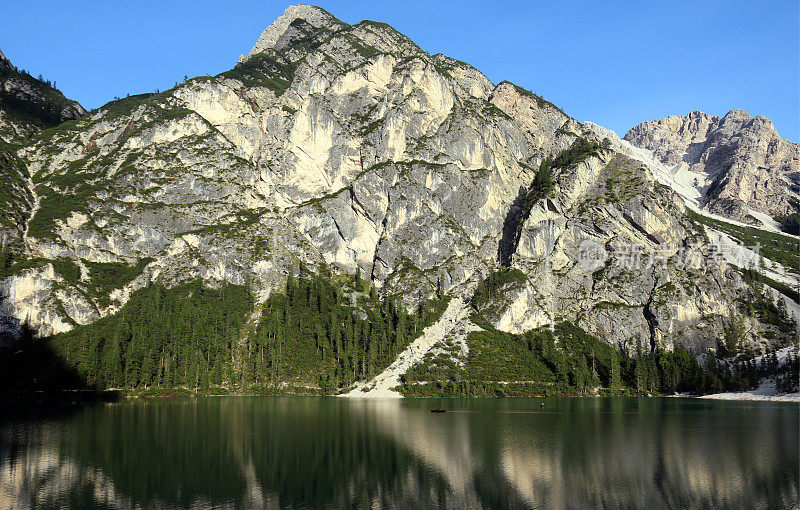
(566, 360)
(183, 336)
(318, 333)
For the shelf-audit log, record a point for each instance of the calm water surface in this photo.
(337, 453)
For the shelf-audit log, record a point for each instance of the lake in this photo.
(254, 452)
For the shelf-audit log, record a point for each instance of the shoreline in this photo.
(749, 396)
(765, 392)
(753, 396)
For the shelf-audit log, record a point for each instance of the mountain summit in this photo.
(741, 164)
(298, 23)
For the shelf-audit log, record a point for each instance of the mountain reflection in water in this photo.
(329, 452)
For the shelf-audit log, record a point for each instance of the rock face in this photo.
(348, 147)
(610, 250)
(740, 163)
(16, 199)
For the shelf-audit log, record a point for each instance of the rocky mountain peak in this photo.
(740, 164)
(737, 114)
(293, 25)
(757, 126)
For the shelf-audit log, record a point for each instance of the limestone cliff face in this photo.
(740, 163)
(344, 147)
(612, 250)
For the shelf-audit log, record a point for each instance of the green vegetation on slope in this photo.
(11, 264)
(315, 337)
(104, 277)
(543, 182)
(183, 336)
(580, 149)
(15, 198)
(264, 70)
(541, 186)
(321, 334)
(78, 186)
(318, 333)
(780, 287)
(568, 361)
(791, 222)
(59, 205)
(777, 247)
(764, 308)
(488, 288)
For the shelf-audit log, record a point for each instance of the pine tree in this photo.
(616, 372)
(111, 363)
(358, 283)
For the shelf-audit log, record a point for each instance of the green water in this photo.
(337, 453)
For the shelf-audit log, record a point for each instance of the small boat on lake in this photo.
(438, 410)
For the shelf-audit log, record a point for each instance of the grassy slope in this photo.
(780, 248)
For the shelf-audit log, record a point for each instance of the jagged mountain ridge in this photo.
(741, 164)
(347, 146)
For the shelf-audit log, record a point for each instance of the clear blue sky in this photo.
(614, 63)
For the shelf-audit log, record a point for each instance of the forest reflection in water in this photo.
(331, 452)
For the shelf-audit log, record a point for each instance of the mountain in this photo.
(740, 164)
(333, 152)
